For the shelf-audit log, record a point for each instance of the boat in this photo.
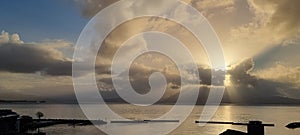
(293, 125)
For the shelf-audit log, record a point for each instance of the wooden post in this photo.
(255, 128)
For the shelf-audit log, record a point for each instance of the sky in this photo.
(42, 20)
(260, 40)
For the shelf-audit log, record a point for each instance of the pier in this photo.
(145, 121)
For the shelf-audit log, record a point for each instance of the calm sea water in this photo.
(279, 115)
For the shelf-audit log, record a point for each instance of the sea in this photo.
(278, 115)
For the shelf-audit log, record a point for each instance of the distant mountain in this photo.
(170, 98)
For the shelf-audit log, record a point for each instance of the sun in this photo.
(227, 81)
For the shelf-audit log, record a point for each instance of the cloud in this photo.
(271, 24)
(20, 82)
(140, 72)
(209, 7)
(6, 38)
(281, 73)
(245, 86)
(92, 7)
(250, 29)
(241, 71)
(282, 15)
(19, 57)
(274, 23)
(139, 25)
(248, 87)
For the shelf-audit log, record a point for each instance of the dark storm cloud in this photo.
(31, 58)
(241, 71)
(139, 77)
